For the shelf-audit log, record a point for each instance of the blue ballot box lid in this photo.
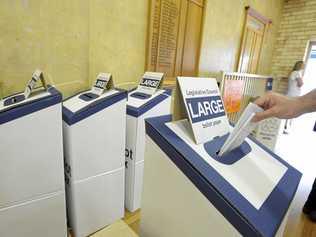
(244, 215)
(137, 104)
(15, 106)
(86, 103)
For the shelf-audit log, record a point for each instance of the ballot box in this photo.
(189, 190)
(32, 196)
(94, 141)
(142, 103)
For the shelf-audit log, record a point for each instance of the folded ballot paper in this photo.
(242, 129)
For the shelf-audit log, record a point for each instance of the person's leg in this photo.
(286, 125)
(290, 123)
(310, 205)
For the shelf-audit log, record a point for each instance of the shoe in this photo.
(285, 132)
(307, 209)
(312, 216)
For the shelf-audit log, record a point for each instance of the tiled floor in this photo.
(299, 149)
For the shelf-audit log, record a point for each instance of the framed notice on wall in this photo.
(174, 37)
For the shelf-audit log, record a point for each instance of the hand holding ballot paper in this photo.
(242, 129)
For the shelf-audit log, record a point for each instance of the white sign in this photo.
(150, 82)
(36, 76)
(101, 83)
(204, 108)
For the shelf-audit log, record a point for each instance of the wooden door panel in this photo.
(256, 54)
(254, 30)
(192, 40)
(174, 37)
(167, 41)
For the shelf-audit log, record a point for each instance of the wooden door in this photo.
(174, 37)
(254, 32)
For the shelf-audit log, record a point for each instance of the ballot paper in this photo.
(242, 129)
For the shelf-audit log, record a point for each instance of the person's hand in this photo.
(277, 105)
(300, 82)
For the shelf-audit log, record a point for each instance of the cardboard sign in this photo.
(204, 107)
(103, 82)
(150, 82)
(36, 76)
(233, 95)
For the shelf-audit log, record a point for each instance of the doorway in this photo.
(298, 149)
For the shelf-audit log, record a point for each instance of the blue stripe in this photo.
(71, 118)
(237, 210)
(136, 112)
(168, 91)
(33, 106)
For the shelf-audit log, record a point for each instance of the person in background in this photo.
(285, 107)
(294, 87)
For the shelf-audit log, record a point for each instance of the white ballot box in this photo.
(94, 143)
(139, 107)
(32, 196)
(189, 190)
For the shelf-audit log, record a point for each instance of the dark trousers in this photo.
(311, 201)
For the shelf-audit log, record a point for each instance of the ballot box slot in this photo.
(18, 100)
(13, 100)
(19, 97)
(95, 103)
(140, 95)
(88, 96)
(213, 148)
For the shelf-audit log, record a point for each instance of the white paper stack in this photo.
(242, 129)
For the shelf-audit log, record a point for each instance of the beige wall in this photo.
(50, 35)
(222, 33)
(298, 26)
(71, 41)
(118, 31)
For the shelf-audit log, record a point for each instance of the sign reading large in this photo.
(150, 82)
(204, 107)
(101, 83)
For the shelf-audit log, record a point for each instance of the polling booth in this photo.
(147, 100)
(203, 177)
(94, 141)
(32, 196)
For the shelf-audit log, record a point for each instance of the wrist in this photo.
(305, 104)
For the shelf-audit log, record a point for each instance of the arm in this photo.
(283, 107)
(308, 102)
(299, 82)
(297, 77)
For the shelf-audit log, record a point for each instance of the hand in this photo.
(300, 82)
(277, 105)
